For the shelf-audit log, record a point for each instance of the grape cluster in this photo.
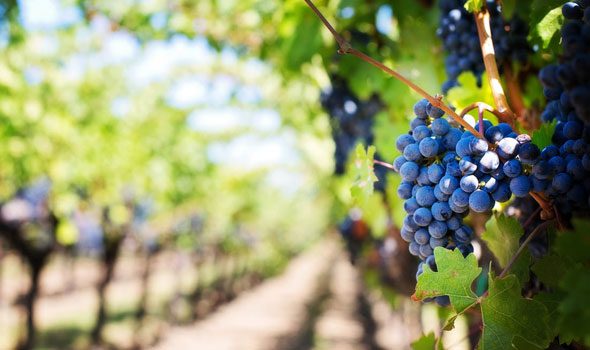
(458, 31)
(352, 122)
(567, 84)
(562, 171)
(431, 173)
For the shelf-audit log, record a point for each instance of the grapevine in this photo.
(451, 168)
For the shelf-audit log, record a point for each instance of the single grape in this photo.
(480, 201)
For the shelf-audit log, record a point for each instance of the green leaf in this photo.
(511, 321)
(365, 177)
(427, 342)
(454, 278)
(574, 308)
(575, 246)
(502, 236)
(542, 136)
(467, 91)
(551, 302)
(473, 5)
(550, 269)
(548, 27)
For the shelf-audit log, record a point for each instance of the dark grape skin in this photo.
(433, 176)
(458, 32)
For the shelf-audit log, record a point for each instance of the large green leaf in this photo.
(502, 236)
(454, 278)
(511, 321)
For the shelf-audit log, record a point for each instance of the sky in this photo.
(205, 98)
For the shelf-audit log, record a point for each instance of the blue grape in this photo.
(412, 152)
(448, 184)
(422, 236)
(403, 141)
(407, 235)
(438, 242)
(437, 229)
(441, 211)
(404, 190)
(425, 196)
(489, 162)
(421, 132)
(411, 205)
(440, 127)
(460, 198)
(464, 234)
(562, 182)
(398, 162)
(512, 168)
(428, 147)
(420, 108)
(480, 201)
(435, 172)
(423, 216)
(469, 183)
(520, 185)
(508, 148)
(409, 171)
(440, 196)
(467, 165)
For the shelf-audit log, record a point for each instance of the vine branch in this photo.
(523, 245)
(384, 164)
(501, 117)
(482, 20)
(346, 48)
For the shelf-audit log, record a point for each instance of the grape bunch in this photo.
(430, 171)
(562, 171)
(458, 31)
(352, 122)
(567, 84)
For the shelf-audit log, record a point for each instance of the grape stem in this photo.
(346, 48)
(387, 165)
(482, 20)
(523, 246)
(501, 117)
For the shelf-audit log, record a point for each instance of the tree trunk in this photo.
(30, 307)
(110, 261)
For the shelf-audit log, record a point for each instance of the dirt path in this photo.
(270, 316)
(340, 326)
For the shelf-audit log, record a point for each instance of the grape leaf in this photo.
(502, 236)
(575, 246)
(550, 269)
(427, 342)
(542, 136)
(548, 27)
(454, 278)
(365, 177)
(574, 308)
(551, 302)
(467, 91)
(511, 321)
(473, 5)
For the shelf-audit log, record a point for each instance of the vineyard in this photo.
(297, 174)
